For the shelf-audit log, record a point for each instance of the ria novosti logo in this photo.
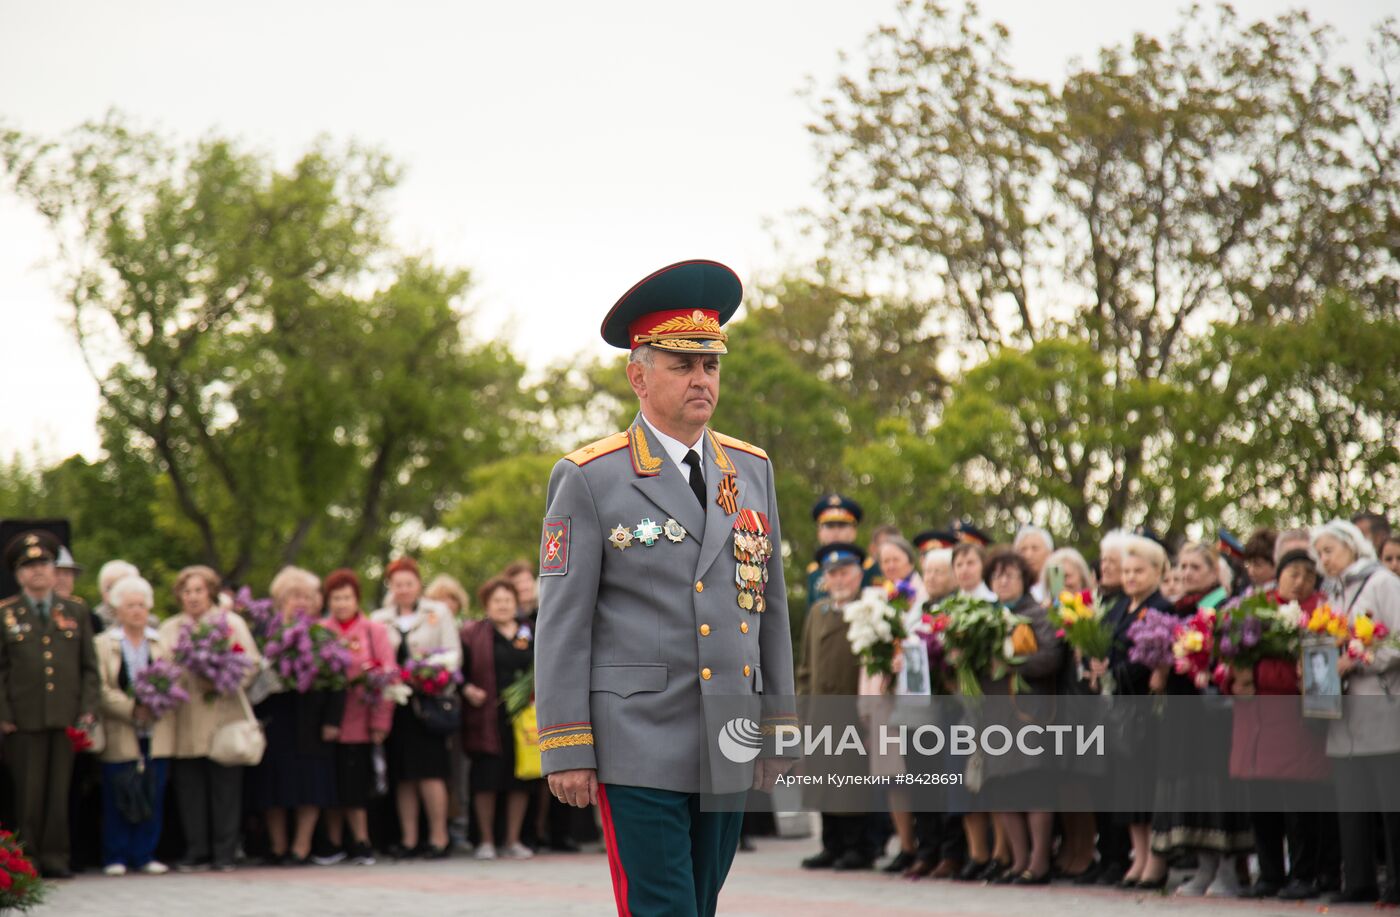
(740, 740)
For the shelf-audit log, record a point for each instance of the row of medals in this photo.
(751, 553)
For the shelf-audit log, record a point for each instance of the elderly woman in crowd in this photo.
(1390, 554)
(499, 649)
(1365, 744)
(1139, 564)
(448, 591)
(1030, 834)
(1110, 565)
(1035, 546)
(419, 763)
(969, 563)
(364, 725)
(297, 772)
(136, 757)
(1285, 758)
(108, 576)
(209, 796)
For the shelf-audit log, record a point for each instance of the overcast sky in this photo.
(559, 150)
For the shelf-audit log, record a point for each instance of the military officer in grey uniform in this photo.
(48, 683)
(661, 595)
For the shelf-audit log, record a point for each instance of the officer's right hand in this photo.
(576, 787)
(8, 728)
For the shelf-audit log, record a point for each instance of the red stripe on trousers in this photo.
(619, 875)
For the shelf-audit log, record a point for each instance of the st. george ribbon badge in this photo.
(728, 498)
(752, 551)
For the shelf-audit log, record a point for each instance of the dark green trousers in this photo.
(42, 766)
(667, 857)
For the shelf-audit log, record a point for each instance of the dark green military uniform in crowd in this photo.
(48, 683)
(833, 510)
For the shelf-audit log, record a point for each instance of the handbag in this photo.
(525, 726)
(134, 792)
(440, 714)
(240, 743)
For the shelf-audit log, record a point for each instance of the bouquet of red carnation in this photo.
(79, 737)
(20, 885)
(430, 676)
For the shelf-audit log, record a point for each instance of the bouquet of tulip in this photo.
(1365, 636)
(308, 656)
(157, 688)
(1324, 620)
(430, 676)
(1151, 636)
(874, 629)
(207, 650)
(1081, 619)
(20, 885)
(1193, 643)
(380, 683)
(981, 638)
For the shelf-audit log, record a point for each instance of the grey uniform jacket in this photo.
(630, 639)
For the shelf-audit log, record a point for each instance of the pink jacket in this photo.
(369, 644)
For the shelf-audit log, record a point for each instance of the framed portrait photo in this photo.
(1322, 686)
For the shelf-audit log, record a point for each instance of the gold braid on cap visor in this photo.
(693, 333)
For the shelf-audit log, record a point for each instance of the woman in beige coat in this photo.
(419, 761)
(209, 796)
(138, 747)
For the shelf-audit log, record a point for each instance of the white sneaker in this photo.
(485, 851)
(519, 852)
(114, 869)
(155, 868)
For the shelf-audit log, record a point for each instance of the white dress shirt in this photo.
(677, 449)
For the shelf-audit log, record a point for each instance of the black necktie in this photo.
(697, 480)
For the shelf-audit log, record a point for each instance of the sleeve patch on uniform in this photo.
(554, 547)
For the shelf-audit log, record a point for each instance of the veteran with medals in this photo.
(662, 594)
(49, 683)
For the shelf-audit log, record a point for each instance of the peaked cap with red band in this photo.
(680, 308)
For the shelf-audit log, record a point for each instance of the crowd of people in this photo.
(1351, 566)
(345, 774)
(338, 773)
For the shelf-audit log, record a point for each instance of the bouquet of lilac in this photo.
(308, 656)
(1152, 636)
(259, 613)
(157, 687)
(207, 650)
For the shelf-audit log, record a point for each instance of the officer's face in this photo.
(36, 579)
(836, 533)
(63, 581)
(843, 582)
(680, 390)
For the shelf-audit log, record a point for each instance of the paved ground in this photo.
(767, 882)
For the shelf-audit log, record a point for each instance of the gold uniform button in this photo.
(705, 674)
(49, 686)
(699, 587)
(48, 670)
(704, 630)
(46, 641)
(747, 671)
(48, 655)
(743, 627)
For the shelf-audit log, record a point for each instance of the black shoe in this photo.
(993, 870)
(972, 871)
(564, 845)
(1298, 890)
(192, 866)
(901, 861)
(1367, 895)
(276, 859)
(400, 852)
(1152, 885)
(1261, 889)
(823, 860)
(1089, 876)
(294, 861)
(435, 853)
(1111, 874)
(1005, 877)
(1030, 878)
(63, 872)
(851, 861)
